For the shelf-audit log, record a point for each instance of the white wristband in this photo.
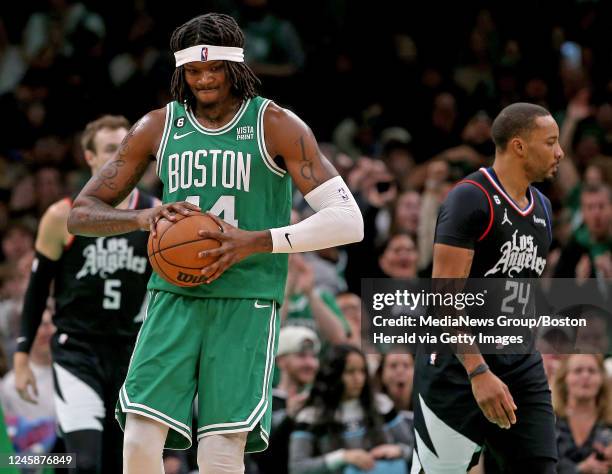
(337, 221)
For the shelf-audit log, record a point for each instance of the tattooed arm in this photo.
(93, 212)
(289, 138)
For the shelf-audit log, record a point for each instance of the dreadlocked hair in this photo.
(215, 29)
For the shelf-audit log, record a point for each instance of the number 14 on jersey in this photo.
(223, 208)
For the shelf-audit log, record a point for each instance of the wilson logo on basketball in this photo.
(187, 278)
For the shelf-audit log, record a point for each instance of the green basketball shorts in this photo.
(221, 350)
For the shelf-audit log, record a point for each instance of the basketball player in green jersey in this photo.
(219, 148)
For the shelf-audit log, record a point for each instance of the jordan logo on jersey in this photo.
(518, 254)
(108, 255)
(505, 220)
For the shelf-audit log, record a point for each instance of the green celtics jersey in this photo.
(228, 172)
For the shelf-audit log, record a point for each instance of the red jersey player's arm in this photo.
(93, 211)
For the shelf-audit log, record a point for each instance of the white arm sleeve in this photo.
(337, 221)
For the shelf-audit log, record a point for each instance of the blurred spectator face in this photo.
(484, 21)
(536, 90)
(438, 172)
(593, 338)
(554, 341)
(543, 149)
(399, 161)
(106, 144)
(552, 344)
(397, 374)
(23, 196)
(593, 175)
(478, 45)
(408, 212)
(354, 376)
(405, 48)
(300, 367)
(597, 212)
(48, 187)
(477, 133)
(16, 243)
(17, 277)
(344, 164)
(431, 78)
(444, 111)
(512, 53)
(51, 150)
(587, 148)
(584, 379)
(350, 305)
(399, 260)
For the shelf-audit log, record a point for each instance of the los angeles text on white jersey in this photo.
(103, 259)
(517, 254)
(201, 168)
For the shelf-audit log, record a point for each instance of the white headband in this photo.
(203, 52)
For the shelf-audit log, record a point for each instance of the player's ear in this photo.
(89, 157)
(518, 146)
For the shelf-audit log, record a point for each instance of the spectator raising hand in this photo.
(307, 306)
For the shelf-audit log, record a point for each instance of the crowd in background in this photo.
(402, 104)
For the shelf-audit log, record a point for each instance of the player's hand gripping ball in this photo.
(173, 252)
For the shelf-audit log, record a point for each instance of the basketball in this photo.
(173, 253)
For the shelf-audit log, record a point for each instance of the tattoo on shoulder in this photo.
(124, 148)
(107, 175)
(140, 169)
(307, 165)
